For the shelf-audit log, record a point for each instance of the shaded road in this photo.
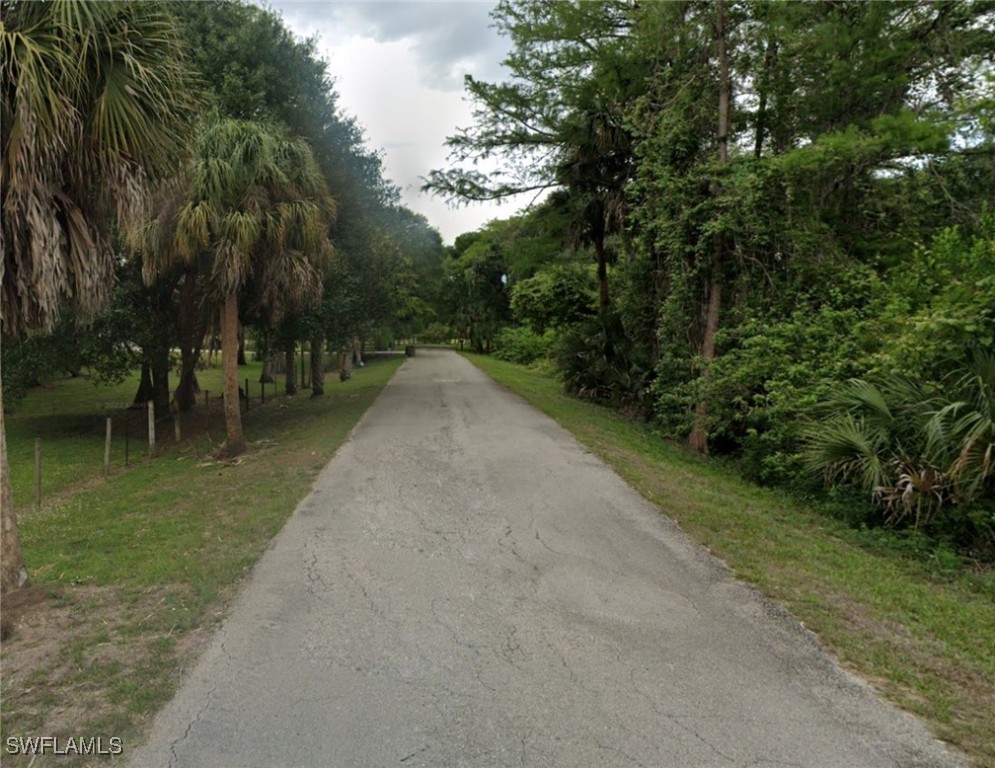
(467, 586)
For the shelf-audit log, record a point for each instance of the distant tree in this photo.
(558, 296)
(558, 122)
(476, 288)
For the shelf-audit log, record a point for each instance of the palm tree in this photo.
(257, 207)
(95, 99)
(916, 450)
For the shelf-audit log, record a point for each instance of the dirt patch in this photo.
(17, 605)
(74, 651)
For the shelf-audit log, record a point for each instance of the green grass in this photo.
(135, 567)
(69, 415)
(924, 637)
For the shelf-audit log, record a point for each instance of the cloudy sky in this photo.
(398, 68)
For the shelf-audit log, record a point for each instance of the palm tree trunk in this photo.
(291, 387)
(145, 387)
(599, 250)
(235, 440)
(13, 574)
(317, 366)
(191, 321)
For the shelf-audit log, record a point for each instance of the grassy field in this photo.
(69, 418)
(921, 632)
(132, 572)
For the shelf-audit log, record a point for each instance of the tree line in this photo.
(177, 172)
(768, 230)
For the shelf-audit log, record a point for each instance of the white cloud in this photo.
(398, 68)
(448, 39)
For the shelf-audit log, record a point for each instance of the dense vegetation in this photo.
(770, 232)
(178, 172)
(767, 227)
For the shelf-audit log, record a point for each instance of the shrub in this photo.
(560, 295)
(599, 361)
(522, 345)
(925, 455)
(772, 370)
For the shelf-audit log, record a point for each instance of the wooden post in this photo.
(37, 473)
(107, 448)
(151, 409)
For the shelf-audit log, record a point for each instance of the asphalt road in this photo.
(467, 586)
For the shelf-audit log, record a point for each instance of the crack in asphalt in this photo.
(467, 586)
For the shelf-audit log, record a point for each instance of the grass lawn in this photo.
(132, 572)
(923, 634)
(69, 418)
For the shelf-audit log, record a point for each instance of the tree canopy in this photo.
(784, 195)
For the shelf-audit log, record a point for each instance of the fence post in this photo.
(151, 409)
(37, 473)
(107, 448)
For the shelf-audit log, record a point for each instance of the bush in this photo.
(599, 361)
(922, 454)
(558, 296)
(942, 303)
(437, 333)
(522, 345)
(772, 370)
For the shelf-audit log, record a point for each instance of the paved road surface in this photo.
(467, 586)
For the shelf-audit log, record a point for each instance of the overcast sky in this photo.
(398, 68)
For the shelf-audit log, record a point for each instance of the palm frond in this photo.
(863, 397)
(95, 101)
(847, 448)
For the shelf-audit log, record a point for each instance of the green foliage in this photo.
(555, 297)
(25, 363)
(475, 295)
(599, 361)
(942, 302)
(924, 454)
(100, 350)
(774, 367)
(522, 345)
